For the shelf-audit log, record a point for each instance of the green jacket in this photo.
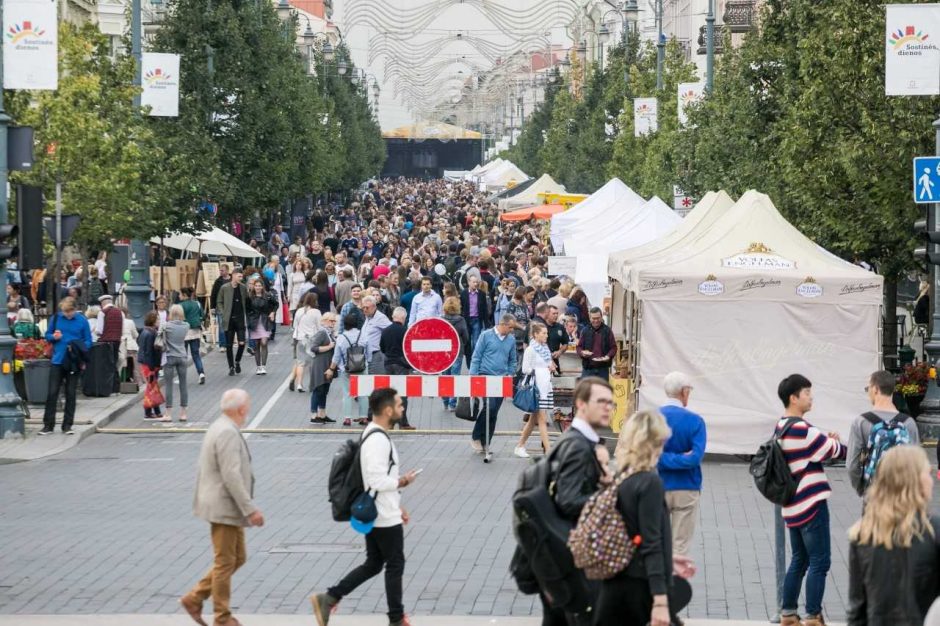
(193, 313)
(226, 295)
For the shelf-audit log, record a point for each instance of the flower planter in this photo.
(913, 404)
(19, 381)
(36, 375)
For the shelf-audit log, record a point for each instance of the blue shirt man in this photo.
(680, 465)
(494, 355)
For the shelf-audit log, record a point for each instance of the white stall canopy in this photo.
(741, 302)
(506, 174)
(607, 204)
(649, 221)
(544, 185)
(214, 242)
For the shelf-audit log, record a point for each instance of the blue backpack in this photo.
(883, 436)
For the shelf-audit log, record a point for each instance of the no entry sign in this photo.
(431, 345)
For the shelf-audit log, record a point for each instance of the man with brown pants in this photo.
(680, 465)
(224, 491)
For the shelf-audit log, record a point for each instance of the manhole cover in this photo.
(315, 548)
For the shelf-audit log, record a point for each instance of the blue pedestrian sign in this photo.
(926, 180)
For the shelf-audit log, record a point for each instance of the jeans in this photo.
(475, 326)
(318, 397)
(453, 371)
(193, 347)
(57, 375)
(810, 557)
(384, 547)
(218, 321)
(363, 402)
(175, 365)
(479, 426)
(599, 372)
(236, 331)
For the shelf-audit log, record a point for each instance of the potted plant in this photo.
(35, 355)
(912, 384)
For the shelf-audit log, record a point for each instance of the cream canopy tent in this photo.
(530, 197)
(214, 242)
(480, 170)
(739, 304)
(504, 175)
(608, 202)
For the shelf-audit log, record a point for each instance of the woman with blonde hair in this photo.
(645, 592)
(537, 362)
(894, 573)
(177, 361)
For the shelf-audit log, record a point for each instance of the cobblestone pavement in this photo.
(107, 527)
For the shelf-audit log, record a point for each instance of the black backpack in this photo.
(345, 483)
(542, 536)
(355, 356)
(770, 471)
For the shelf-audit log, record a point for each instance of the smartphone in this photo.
(418, 471)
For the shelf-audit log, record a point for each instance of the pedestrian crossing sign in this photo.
(926, 180)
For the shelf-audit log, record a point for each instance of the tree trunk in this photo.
(889, 333)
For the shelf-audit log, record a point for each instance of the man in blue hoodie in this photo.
(494, 355)
(680, 465)
(66, 327)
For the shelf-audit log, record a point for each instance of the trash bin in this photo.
(37, 379)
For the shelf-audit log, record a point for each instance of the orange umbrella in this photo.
(539, 212)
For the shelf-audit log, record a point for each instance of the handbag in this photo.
(159, 342)
(463, 410)
(526, 396)
(153, 395)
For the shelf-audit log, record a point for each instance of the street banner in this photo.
(689, 94)
(30, 45)
(161, 83)
(912, 58)
(645, 116)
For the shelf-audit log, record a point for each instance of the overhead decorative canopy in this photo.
(431, 130)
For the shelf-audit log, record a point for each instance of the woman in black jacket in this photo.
(645, 592)
(262, 305)
(894, 569)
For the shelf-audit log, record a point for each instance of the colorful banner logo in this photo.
(30, 45)
(645, 116)
(18, 32)
(156, 77)
(912, 60)
(161, 86)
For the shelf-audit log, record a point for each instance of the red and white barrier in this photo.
(434, 386)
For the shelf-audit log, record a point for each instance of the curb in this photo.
(301, 431)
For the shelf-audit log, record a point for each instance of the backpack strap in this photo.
(786, 427)
(872, 418)
(391, 455)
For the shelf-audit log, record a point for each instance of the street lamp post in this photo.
(660, 45)
(710, 46)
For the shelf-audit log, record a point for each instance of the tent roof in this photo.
(649, 221)
(215, 242)
(511, 191)
(711, 207)
(480, 170)
(503, 174)
(752, 253)
(607, 203)
(430, 130)
(538, 211)
(530, 194)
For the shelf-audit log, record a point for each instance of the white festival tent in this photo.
(609, 203)
(739, 304)
(213, 242)
(504, 175)
(530, 197)
(453, 176)
(480, 170)
(650, 221)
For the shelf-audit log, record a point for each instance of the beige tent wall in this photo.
(737, 353)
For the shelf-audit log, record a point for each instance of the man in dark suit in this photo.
(475, 308)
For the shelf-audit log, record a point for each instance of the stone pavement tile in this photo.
(292, 620)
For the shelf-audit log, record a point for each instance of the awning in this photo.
(539, 212)
(215, 242)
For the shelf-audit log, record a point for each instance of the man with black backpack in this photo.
(573, 472)
(379, 465)
(874, 432)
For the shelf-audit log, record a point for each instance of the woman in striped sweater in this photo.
(807, 514)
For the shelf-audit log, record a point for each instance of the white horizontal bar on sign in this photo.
(431, 345)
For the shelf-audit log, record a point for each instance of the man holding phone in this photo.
(597, 347)
(385, 547)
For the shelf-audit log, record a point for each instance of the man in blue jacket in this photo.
(680, 465)
(495, 355)
(67, 327)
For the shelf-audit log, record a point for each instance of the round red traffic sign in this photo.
(431, 345)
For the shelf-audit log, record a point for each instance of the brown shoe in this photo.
(791, 620)
(194, 609)
(407, 428)
(231, 621)
(814, 620)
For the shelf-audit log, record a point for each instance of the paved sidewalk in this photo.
(90, 413)
(300, 620)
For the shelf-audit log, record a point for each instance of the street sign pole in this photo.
(928, 421)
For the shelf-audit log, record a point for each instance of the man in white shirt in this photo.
(426, 304)
(375, 323)
(342, 264)
(378, 460)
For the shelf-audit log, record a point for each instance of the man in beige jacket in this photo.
(224, 489)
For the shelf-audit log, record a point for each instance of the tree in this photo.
(114, 171)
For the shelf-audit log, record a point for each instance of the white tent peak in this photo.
(610, 201)
(530, 196)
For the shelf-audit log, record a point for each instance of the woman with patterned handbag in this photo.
(150, 356)
(537, 364)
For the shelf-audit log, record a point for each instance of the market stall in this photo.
(534, 193)
(741, 301)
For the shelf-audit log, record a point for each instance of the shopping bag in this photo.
(153, 395)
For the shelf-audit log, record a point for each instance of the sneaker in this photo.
(183, 418)
(323, 607)
(291, 386)
(301, 390)
(202, 379)
(45, 431)
(477, 446)
(165, 418)
(250, 351)
(258, 371)
(328, 420)
(404, 621)
(68, 431)
(231, 371)
(814, 620)
(347, 422)
(790, 620)
(520, 452)
(238, 367)
(317, 420)
(363, 421)
(222, 349)
(152, 418)
(264, 370)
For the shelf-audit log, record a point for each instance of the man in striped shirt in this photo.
(807, 514)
